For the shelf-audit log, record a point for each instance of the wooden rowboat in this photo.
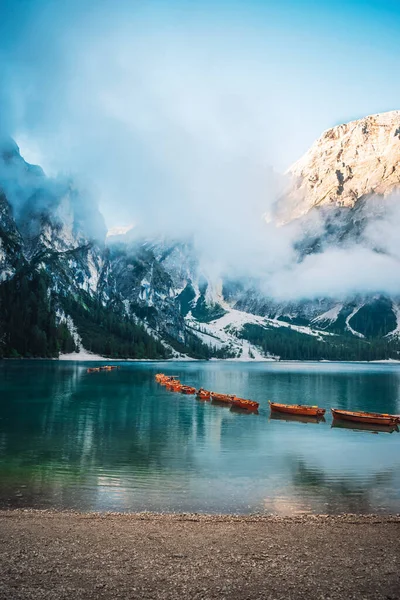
(169, 380)
(164, 379)
(245, 404)
(187, 389)
(203, 394)
(297, 409)
(223, 398)
(365, 417)
(174, 387)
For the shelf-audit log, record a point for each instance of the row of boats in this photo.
(315, 413)
(172, 383)
(102, 368)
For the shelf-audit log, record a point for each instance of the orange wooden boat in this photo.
(203, 394)
(297, 409)
(226, 398)
(365, 417)
(245, 404)
(174, 387)
(187, 389)
(166, 380)
(93, 370)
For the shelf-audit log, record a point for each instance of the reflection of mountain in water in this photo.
(333, 493)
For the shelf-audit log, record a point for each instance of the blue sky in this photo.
(166, 106)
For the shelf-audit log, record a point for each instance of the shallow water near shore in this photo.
(118, 441)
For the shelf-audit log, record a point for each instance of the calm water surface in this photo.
(118, 441)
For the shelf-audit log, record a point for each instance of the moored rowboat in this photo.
(245, 404)
(169, 379)
(226, 398)
(203, 394)
(174, 387)
(365, 417)
(297, 409)
(187, 389)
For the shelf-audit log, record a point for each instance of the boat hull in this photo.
(206, 397)
(297, 409)
(221, 398)
(243, 404)
(188, 390)
(364, 417)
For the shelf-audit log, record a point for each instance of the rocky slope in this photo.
(345, 164)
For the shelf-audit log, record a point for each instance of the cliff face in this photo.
(345, 164)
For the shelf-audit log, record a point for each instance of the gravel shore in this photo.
(66, 555)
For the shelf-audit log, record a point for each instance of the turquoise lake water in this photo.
(118, 441)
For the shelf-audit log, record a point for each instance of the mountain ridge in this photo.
(346, 163)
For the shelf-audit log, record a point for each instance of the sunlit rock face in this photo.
(345, 164)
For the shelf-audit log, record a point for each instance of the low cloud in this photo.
(175, 128)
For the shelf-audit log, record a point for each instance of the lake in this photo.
(118, 441)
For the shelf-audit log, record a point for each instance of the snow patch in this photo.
(63, 318)
(83, 355)
(396, 331)
(330, 316)
(349, 327)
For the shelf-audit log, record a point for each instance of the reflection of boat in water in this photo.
(237, 407)
(241, 411)
(368, 427)
(297, 409)
(364, 417)
(296, 418)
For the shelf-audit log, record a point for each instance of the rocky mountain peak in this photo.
(346, 163)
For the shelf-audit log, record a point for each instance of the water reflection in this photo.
(275, 416)
(340, 493)
(118, 441)
(368, 427)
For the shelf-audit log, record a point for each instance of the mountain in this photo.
(65, 287)
(346, 164)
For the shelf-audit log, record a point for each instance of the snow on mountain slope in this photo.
(328, 317)
(226, 330)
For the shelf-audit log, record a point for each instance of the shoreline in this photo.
(58, 555)
(354, 518)
(95, 358)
